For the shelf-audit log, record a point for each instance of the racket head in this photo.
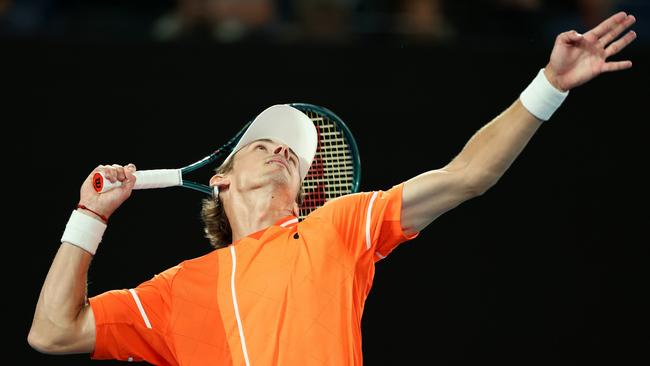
(334, 172)
(336, 168)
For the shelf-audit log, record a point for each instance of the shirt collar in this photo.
(285, 222)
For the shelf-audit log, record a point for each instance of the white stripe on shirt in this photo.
(368, 217)
(137, 302)
(234, 302)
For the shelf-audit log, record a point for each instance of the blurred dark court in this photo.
(549, 267)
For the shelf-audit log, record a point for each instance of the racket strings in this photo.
(332, 171)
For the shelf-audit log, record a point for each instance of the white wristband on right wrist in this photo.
(541, 98)
(84, 232)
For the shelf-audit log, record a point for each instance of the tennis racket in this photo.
(335, 170)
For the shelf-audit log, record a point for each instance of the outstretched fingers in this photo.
(616, 30)
(616, 66)
(620, 44)
(608, 24)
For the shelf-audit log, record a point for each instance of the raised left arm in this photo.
(575, 59)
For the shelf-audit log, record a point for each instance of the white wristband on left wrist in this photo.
(541, 98)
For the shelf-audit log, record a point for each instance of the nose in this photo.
(283, 150)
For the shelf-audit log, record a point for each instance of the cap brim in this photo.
(287, 125)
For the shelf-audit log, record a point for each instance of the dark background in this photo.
(548, 267)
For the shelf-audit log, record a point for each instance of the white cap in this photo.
(285, 124)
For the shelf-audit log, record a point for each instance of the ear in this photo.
(296, 210)
(220, 182)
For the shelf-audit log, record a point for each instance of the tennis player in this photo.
(276, 291)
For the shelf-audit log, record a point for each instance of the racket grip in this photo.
(145, 179)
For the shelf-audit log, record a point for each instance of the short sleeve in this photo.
(368, 221)
(130, 325)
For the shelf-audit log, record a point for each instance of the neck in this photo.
(252, 211)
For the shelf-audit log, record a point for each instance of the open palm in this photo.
(577, 58)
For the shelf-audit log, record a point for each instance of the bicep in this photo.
(74, 337)
(87, 340)
(82, 340)
(429, 195)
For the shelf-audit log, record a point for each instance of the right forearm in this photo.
(63, 320)
(62, 298)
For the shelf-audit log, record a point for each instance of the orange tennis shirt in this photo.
(291, 294)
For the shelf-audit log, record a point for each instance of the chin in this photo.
(283, 181)
(279, 179)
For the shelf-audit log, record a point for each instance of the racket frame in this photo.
(227, 148)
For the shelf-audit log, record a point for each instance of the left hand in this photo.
(577, 58)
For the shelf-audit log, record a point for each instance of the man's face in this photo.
(265, 162)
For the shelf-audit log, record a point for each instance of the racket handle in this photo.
(145, 179)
